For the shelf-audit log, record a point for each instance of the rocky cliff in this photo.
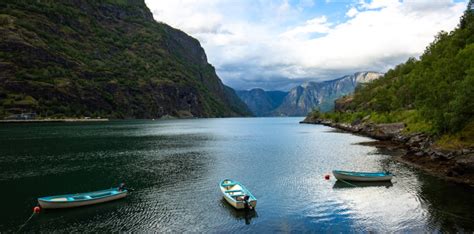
(104, 58)
(321, 95)
(261, 102)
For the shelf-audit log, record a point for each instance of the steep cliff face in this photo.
(104, 58)
(261, 102)
(313, 95)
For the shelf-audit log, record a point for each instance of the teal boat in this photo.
(82, 199)
(237, 195)
(362, 176)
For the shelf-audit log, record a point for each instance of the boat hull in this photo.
(239, 191)
(239, 205)
(362, 177)
(49, 204)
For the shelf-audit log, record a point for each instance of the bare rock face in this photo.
(262, 102)
(302, 99)
(366, 77)
(387, 131)
(465, 164)
(342, 104)
(321, 95)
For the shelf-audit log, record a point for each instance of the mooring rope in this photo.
(348, 183)
(24, 224)
(454, 215)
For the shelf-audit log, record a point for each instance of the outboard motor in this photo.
(246, 202)
(121, 187)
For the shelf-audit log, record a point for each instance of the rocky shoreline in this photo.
(52, 120)
(418, 149)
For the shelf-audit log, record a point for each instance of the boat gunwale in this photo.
(363, 174)
(244, 189)
(47, 199)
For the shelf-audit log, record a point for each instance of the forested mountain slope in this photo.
(433, 94)
(106, 58)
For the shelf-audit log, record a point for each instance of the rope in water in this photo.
(454, 215)
(24, 224)
(348, 183)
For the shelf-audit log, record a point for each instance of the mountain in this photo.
(261, 102)
(431, 95)
(107, 58)
(321, 95)
(425, 105)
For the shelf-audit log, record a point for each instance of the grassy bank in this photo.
(414, 121)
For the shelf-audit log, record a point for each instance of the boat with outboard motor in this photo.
(237, 195)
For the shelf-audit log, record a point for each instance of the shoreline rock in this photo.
(52, 120)
(419, 149)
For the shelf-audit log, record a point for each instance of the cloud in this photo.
(315, 25)
(378, 4)
(352, 12)
(276, 44)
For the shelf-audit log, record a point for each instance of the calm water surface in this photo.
(176, 165)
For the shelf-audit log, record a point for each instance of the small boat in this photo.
(362, 176)
(82, 199)
(237, 195)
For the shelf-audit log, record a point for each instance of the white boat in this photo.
(82, 199)
(237, 195)
(362, 176)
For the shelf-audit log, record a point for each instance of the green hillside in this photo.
(433, 94)
(105, 58)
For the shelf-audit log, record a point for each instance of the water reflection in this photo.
(451, 206)
(246, 215)
(447, 206)
(176, 165)
(356, 184)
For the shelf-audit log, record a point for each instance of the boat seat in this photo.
(230, 184)
(233, 191)
(59, 199)
(237, 195)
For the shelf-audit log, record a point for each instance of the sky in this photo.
(278, 44)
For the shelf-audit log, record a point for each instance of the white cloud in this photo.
(316, 25)
(352, 12)
(265, 43)
(192, 16)
(378, 4)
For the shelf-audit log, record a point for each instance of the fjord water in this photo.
(175, 167)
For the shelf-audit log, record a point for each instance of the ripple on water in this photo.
(175, 167)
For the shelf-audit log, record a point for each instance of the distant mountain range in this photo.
(301, 99)
(261, 102)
